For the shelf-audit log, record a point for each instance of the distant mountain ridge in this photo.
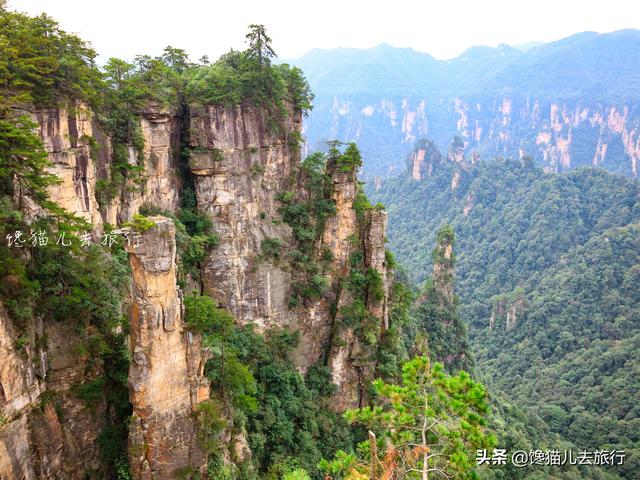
(568, 103)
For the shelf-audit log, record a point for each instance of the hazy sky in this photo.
(443, 28)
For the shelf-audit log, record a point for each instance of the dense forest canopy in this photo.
(547, 275)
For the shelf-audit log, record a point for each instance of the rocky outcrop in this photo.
(508, 308)
(15, 449)
(161, 129)
(68, 138)
(443, 270)
(425, 159)
(78, 422)
(20, 388)
(241, 161)
(166, 372)
(46, 431)
(375, 257)
(241, 165)
(346, 355)
(80, 152)
(351, 357)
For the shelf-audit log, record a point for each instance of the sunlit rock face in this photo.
(67, 135)
(166, 370)
(46, 432)
(160, 127)
(241, 159)
(80, 152)
(240, 165)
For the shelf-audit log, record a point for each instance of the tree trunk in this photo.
(373, 448)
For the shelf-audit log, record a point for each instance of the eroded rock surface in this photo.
(241, 164)
(46, 432)
(165, 371)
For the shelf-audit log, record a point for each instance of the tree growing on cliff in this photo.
(229, 376)
(42, 64)
(428, 427)
(260, 49)
(176, 58)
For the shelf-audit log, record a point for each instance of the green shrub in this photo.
(354, 314)
(350, 160)
(297, 474)
(271, 248)
(210, 422)
(140, 223)
(295, 140)
(202, 315)
(90, 392)
(285, 197)
(257, 169)
(375, 287)
(390, 259)
(293, 425)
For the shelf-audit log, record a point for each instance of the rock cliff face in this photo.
(240, 167)
(161, 130)
(424, 160)
(350, 356)
(67, 135)
(80, 152)
(508, 308)
(443, 273)
(241, 161)
(20, 388)
(565, 134)
(561, 134)
(166, 373)
(46, 432)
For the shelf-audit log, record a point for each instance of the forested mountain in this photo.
(567, 103)
(548, 275)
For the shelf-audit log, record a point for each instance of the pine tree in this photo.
(431, 424)
(259, 45)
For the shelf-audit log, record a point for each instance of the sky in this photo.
(443, 28)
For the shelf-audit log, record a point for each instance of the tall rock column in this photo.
(20, 387)
(443, 261)
(436, 309)
(165, 376)
(160, 128)
(352, 360)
